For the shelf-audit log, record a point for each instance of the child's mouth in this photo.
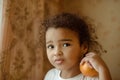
(59, 61)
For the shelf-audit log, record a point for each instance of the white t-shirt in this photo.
(54, 74)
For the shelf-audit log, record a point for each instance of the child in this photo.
(70, 43)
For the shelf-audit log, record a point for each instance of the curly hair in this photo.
(73, 22)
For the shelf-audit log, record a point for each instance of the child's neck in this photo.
(70, 73)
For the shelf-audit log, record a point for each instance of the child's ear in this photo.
(84, 48)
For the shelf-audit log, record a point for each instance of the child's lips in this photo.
(59, 61)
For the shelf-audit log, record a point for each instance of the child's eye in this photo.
(50, 46)
(66, 44)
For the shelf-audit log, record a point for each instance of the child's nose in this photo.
(58, 52)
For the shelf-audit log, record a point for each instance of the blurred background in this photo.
(22, 49)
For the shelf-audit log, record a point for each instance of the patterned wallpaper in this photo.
(23, 46)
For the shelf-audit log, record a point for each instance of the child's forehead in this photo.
(62, 30)
(61, 33)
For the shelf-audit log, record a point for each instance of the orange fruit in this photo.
(87, 70)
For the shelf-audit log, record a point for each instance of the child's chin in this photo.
(60, 68)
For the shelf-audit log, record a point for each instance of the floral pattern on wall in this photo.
(23, 50)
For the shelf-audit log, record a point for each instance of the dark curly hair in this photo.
(75, 23)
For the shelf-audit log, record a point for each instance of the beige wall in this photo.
(105, 14)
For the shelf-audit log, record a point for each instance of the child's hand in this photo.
(95, 61)
(98, 64)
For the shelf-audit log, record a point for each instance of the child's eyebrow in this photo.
(65, 40)
(59, 40)
(49, 42)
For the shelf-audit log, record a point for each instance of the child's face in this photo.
(63, 48)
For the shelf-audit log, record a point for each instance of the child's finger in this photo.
(90, 54)
(87, 61)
